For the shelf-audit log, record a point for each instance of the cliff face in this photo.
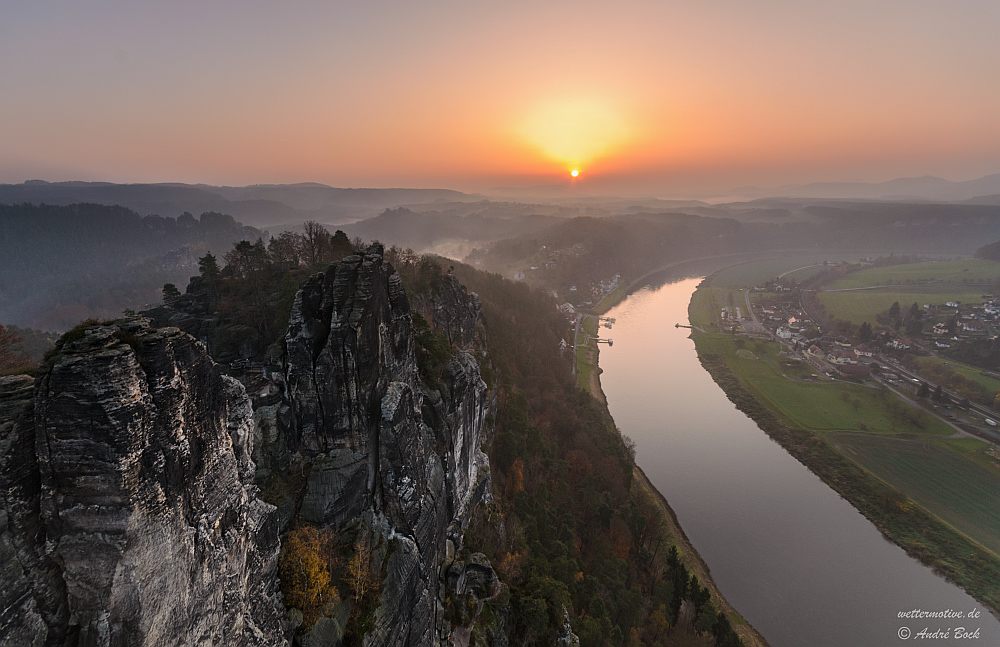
(381, 448)
(129, 512)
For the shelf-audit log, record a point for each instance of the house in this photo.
(518, 276)
(815, 351)
(567, 308)
(784, 333)
(941, 344)
(611, 283)
(863, 353)
(973, 326)
(953, 304)
(841, 357)
(901, 344)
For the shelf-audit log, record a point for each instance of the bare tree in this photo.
(10, 358)
(315, 243)
(286, 248)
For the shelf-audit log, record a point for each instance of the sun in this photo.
(574, 172)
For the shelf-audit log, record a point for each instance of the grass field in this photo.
(968, 271)
(947, 484)
(819, 406)
(756, 272)
(804, 273)
(700, 309)
(863, 305)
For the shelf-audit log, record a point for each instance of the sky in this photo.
(641, 97)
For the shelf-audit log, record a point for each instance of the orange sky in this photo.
(643, 97)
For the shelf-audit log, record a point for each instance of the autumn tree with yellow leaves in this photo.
(309, 557)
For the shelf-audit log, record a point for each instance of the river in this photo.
(799, 562)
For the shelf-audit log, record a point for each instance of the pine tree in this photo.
(209, 267)
(864, 332)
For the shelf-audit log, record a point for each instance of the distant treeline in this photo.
(593, 249)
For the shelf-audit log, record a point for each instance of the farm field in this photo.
(976, 271)
(859, 306)
(950, 486)
(756, 272)
(819, 406)
(804, 273)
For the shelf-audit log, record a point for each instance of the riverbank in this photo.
(689, 554)
(696, 565)
(921, 535)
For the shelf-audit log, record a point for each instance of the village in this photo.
(894, 351)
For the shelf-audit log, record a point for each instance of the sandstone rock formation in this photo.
(129, 512)
(129, 472)
(379, 445)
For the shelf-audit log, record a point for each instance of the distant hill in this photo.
(63, 264)
(990, 252)
(914, 188)
(258, 205)
(448, 233)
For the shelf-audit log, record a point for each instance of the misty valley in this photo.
(415, 418)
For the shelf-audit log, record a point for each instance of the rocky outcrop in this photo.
(378, 445)
(129, 470)
(129, 511)
(467, 585)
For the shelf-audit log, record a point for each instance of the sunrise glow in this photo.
(575, 130)
(647, 97)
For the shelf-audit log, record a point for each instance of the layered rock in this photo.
(130, 515)
(380, 446)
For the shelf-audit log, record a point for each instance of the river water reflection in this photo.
(799, 562)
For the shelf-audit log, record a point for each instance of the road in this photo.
(758, 328)
(985, 434)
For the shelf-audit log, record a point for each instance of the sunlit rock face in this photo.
(381, 447)
(129, 512)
